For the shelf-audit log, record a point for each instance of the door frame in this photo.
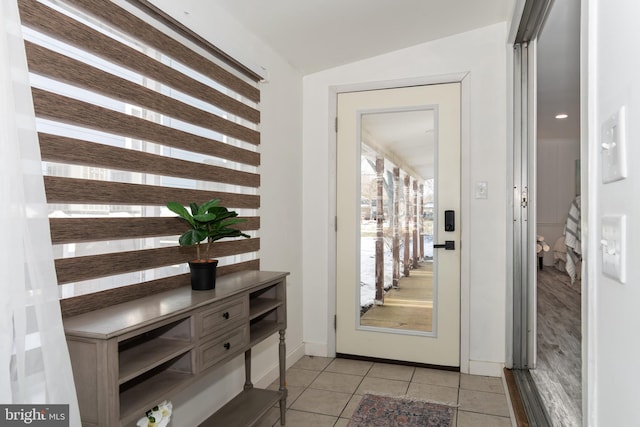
(526, 25)
(524, 217)
(465, 164)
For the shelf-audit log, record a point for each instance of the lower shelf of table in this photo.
(246, 409)
(135, 401)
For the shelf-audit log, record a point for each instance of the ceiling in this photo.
(314, 35)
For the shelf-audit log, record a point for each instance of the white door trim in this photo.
(465, 260)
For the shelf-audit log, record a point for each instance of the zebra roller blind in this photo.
(131, 114)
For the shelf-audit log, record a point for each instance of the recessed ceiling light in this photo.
(562, 116)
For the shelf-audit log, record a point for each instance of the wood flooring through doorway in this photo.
(558, 374)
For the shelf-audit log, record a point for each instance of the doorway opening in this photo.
(558, 369)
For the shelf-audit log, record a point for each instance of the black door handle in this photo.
(449, 245)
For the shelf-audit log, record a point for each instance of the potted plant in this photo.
(208, 221)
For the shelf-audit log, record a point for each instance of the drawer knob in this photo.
(225, 315)
(227, 345)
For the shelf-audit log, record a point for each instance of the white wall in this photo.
(482, 54)
(281, 191)
(613, 317)
(556, 187)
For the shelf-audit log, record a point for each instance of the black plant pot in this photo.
(203, 274)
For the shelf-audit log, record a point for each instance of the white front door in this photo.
(398, 171)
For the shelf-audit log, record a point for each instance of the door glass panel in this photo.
(397, 162)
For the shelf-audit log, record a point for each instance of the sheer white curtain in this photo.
(34, 361)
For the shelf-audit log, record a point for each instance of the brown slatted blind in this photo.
(129, 118)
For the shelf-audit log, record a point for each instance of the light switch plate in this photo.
(614, 247)
(613, 147)
(482, 190)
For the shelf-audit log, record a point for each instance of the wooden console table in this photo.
(129, 357)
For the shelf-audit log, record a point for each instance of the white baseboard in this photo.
(274, 372)
(318, 349)
(489, 369)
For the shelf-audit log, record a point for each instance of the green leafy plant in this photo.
(208, 221)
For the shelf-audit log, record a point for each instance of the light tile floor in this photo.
(326, 392)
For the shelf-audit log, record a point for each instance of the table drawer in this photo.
(221, 318)
(226, 345)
